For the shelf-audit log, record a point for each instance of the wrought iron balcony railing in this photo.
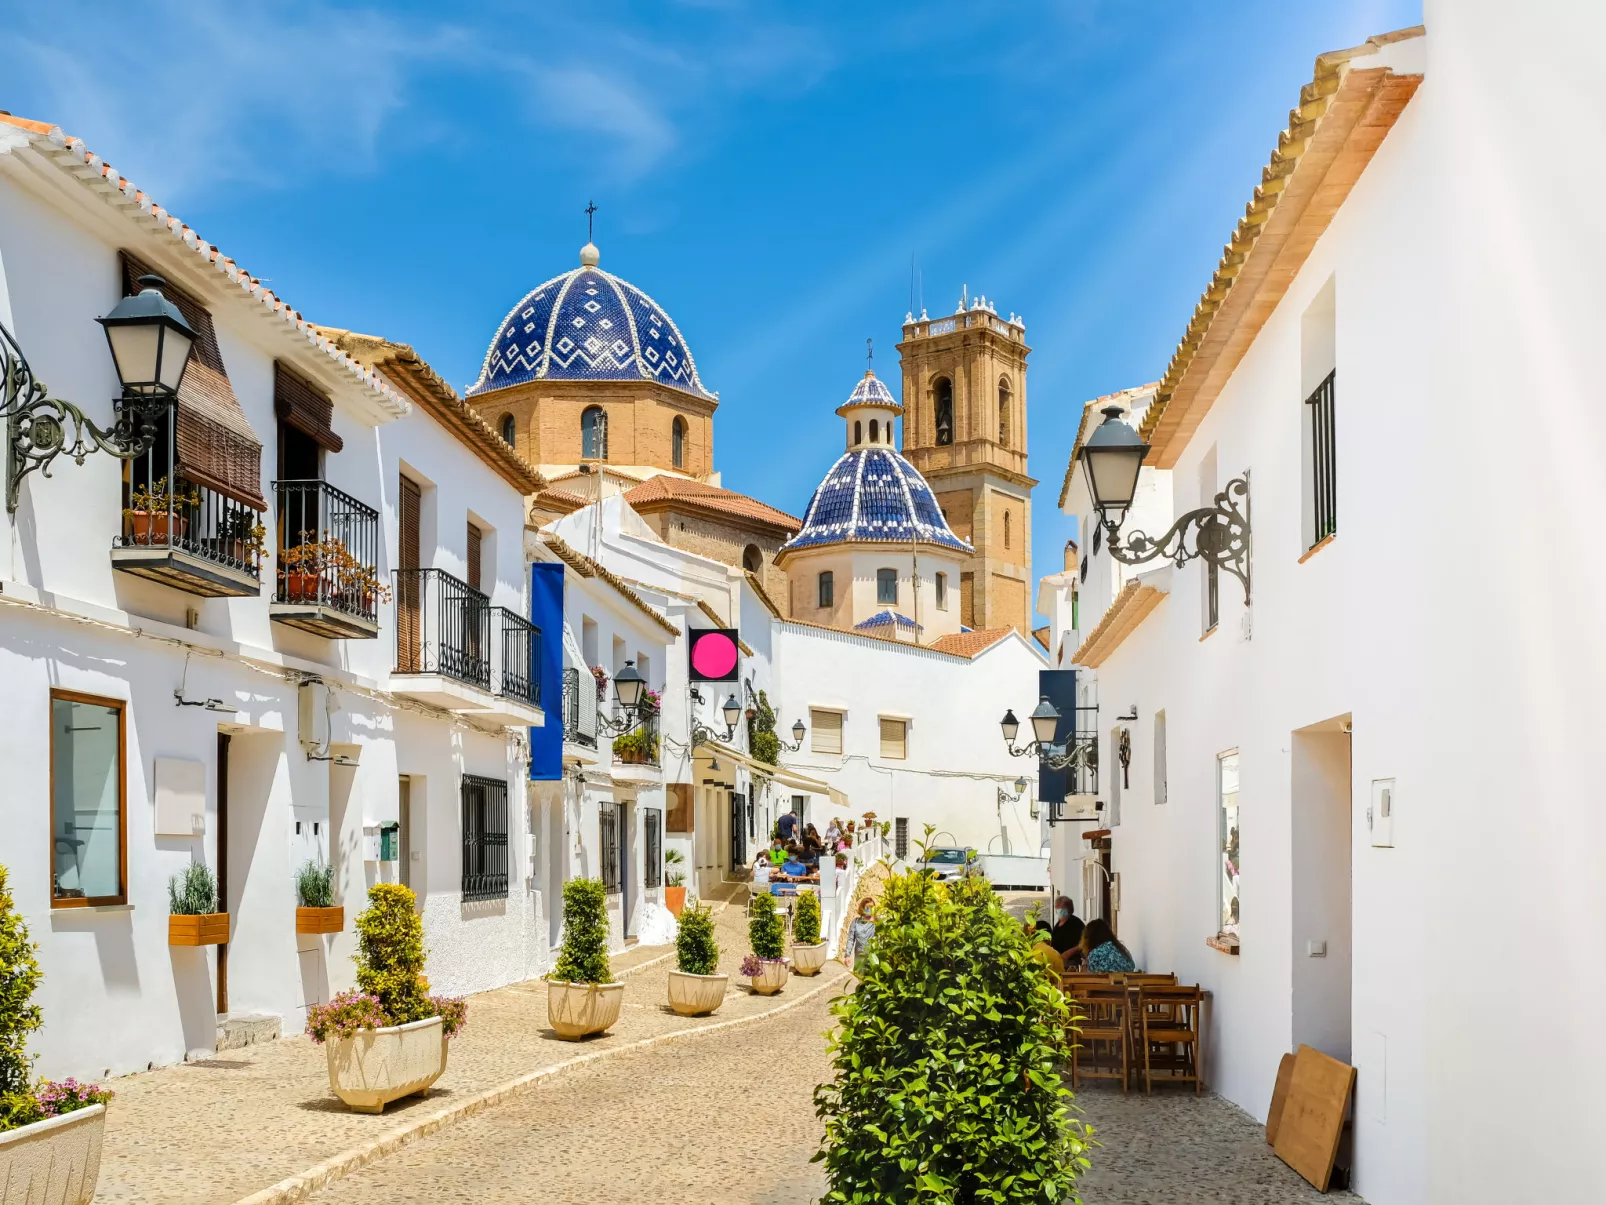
(579, 707)
(639, 746)
(443, 626)
(517, 641)
(328, 551)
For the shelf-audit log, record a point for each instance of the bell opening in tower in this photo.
(943, 390)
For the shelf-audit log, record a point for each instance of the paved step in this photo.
(236, 1031)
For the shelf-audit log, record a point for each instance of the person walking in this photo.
(860, 931)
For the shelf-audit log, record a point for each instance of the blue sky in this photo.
(765, 172)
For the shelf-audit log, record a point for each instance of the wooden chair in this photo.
(1168, 1025)
(1103, 1042)
(1072, 982)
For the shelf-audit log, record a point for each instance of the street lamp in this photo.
(1045, 720)
(1219, 533)
(151, 345)
(798, 732)
(628, 685)
(732, 711)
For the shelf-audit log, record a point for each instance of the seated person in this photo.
(1067, 931)
(792, 868)
(1101, 952)
(761, 869)
(777, 852)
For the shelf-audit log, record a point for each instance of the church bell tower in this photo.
(964, 428)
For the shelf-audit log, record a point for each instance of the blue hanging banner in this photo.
(546, 612)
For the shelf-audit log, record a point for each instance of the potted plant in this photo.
(765, 966)
(155, 513)
(243, 537)
(600, 676)
(808, 951)
(637, 748)
(387, 1039)
(302, 567)
(674, 881)
(695, 989)
(581, 997)
(192, 905)
(50, 1133)
(315, 900)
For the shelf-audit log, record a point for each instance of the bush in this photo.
(315, 885)
(765, 930)
(946, 1056)
(696, 951)
(806, 920)
(674, 878)
(390, 954)
(19, 1016)
(193, 893)
(584, 957)
(762, 742)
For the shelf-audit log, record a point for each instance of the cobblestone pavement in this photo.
(214, 1131)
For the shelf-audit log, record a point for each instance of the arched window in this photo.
(509, 429)
(1006, 529)
(752, 559)
(858, 433)
(594, 433)
(943, 394)
(1003, 412)
(677, 441)
(827, 589)
(875, 431)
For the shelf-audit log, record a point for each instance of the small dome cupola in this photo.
(868, 414)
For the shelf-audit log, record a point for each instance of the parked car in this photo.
(949, 862)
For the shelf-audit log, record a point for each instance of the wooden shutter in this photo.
(302, 405)
(216, 446)
(894, 739)
(827, 726)
(474, 557)
(679, 818)
(409, 587)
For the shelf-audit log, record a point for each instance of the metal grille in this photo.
(484, 838)
(652, 834)
(328, 548)
(738, 830)
(900, 836)
(608, 843)
(519, 642)
(579, 708)
(1324, 474)
(452, 632)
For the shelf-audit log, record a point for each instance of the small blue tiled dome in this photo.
(873, 493)
(588, 325)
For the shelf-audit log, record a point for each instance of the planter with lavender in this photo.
(765, 967)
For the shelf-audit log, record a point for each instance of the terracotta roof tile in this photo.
(970, 644)
(663, 492)
(720, 623)
(1130, 608)
(1089, 409)
(586, 567)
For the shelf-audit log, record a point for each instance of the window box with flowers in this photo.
(158, 515)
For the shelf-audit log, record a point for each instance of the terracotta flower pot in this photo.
(302, 587)
(807, 960)
(151, 527)
(577, 1010)
(696, 995)
(376, 1066)
(675, 899)
(320, 920)
(56, 1160)
(771, 979)
(207, 929)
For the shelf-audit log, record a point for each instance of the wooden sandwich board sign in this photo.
(1279, 1098)
(1312, 1119)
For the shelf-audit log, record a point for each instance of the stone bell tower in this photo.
(964, 428)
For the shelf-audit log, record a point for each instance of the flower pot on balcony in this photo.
(56, 1160)
(320, 920)
(205, 929)
(675, 899)
(771, 977)
(577, 1010)
(302, 587)
(376, 1066)
(807, 960)
(696, 995)
(152, 527)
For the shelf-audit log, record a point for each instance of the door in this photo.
(404, 813)
(738, 832)
(409, 629)
(223, 865)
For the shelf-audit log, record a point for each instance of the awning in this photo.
(780, 774)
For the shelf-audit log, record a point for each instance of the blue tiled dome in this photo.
(588, 325)
(873, 493)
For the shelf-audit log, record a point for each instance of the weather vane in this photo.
(591, 209)
(869, 354)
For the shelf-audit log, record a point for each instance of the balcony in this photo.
(579, 709)
(637, 753)
(328, 575)
(454, 650)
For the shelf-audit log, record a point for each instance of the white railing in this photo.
(838, 884)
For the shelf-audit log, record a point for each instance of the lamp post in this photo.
(798, 732)
(151, 345)
(730, 711)
(1218, 534)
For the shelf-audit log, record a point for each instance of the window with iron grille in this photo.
(1321, 471)
(652, 829)
(900, 836)
(484, 838)
(608, 843)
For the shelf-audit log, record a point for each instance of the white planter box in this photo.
(696, 995)
(374, 1067)
(807, 960)
(771, 979)
(577, 1010)
(53, 1162)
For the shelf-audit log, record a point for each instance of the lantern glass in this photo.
(1011, 727)
(1111, 460)
(733, 711)
(628, 685)
(150, 342)
(1020, 786)
(1045, 722)
(174, 359)
(797, 731)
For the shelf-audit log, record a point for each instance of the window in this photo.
(752, 559)
(827, 588)
(1098, 536)
(875, 431)
(1003, 413)
(476, 539)
(677, 441)
(608, 846)
(942, 591)
(1321, 474)
(652, 873)
(858, 433)
(484, 838)
(509, 429)
(900, 836)
(827, 731)
(1006, 529)
(88, 801)
(943, 397)
(1160, 785)
(594, 433)
(894, 739)
(1230, 859)
(886, 586)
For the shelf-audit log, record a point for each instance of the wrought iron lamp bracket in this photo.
(701, 733)
(1218, 534)
(1081, 754)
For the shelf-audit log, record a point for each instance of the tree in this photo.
(390, 954)
(584, 957)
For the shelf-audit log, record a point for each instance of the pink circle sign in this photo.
(714, 655)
